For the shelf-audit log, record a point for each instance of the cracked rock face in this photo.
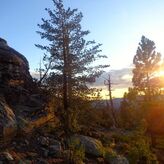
(14, 67)
(15, 78)
(14, 74)
(20, 98)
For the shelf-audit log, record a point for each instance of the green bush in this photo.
(140, 151)
(137, 147)
(107, 141)
(77, 151)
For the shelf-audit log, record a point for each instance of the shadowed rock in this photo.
(19, 95)
(14, 67)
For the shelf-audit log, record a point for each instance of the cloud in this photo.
(35, 74)
(120, 78)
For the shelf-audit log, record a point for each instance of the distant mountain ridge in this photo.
(102, 103)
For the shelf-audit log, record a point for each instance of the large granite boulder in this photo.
(91, 145)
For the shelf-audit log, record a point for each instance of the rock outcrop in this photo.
(15, 78)
(19, 95)
(14, 67)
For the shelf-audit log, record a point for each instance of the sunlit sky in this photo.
(117, 24)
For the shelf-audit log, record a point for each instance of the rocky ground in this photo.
(42, 146)
(47, 144)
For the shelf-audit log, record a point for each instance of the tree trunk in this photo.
(115, 124)
(112, 110)
(65, 86)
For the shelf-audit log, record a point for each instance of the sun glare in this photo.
(116, 93)
(160, 73)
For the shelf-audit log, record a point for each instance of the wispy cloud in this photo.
(119, 78)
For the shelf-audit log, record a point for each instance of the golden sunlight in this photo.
(160, 73)
(116, 93)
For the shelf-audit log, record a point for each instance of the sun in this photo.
(160, 73)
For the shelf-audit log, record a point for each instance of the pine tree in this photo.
(72, 58)
(146, 62)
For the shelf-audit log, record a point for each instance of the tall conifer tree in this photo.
(146, 62)
(72, 58)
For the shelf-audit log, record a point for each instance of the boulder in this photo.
(49, 146)
(55, 149)
(43, 141)
(91, 145)
(119, 160)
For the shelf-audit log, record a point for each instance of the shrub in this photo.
(109, 155)
(77, 152)
(138, 147)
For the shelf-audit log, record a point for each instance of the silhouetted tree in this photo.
(108, 83)
(146, 62)
(71, 56)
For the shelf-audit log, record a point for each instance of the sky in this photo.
(117, 24)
